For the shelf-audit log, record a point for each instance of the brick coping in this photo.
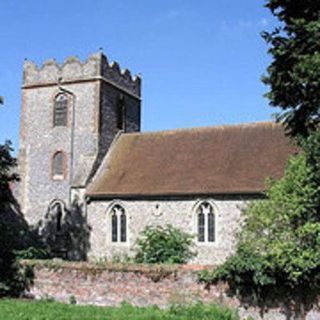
(121, 267)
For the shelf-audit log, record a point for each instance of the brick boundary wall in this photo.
(140, 285)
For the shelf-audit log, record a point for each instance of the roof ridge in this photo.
(192, 129)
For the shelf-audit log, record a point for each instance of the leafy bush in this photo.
(164, 245)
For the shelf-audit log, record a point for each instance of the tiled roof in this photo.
(214, 160)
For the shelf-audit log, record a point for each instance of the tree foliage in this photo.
(294, 74)
(278, 249)
(7, 162)
(164, 245)
(9, 234)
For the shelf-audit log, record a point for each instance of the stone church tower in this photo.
(71, 113)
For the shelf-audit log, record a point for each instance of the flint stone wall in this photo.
(179, 212)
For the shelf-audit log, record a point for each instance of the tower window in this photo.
(58, 165)
(118, 224)
(121, 114)
(55, 216)
(205, 222)
(60, 115)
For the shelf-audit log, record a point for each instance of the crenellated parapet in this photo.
(74, 70)
(122, 77)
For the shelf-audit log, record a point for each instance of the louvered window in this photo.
(121, 114)
(58, 165)
(60, 111)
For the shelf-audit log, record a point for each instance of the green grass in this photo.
(45, 310)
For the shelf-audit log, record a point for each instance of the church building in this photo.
(81, 145)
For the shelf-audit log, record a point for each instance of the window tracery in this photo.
(118, 224)
(60, 114)
(205, 222)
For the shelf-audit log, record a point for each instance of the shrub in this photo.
(31, 253)
(164, 245)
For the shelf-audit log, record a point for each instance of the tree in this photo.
(294, 74)
(7, 162)
(16, 239)
(9, 233)
(278, 250)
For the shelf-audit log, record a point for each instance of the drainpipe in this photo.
(72, 135)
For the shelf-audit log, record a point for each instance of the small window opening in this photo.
(60, 111)
(121, 113)
(58, 165)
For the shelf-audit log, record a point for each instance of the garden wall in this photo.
(140, 285)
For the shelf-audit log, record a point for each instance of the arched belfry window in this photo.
(60, 113)
(205, 221)
(121, 113)
(58, 165)
(118, 222)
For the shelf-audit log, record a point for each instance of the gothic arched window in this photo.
(205, 222)
(118, 224)
(56, 210)
(60, 113)
(58, 165)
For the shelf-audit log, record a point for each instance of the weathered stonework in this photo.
(93, 88)
(179, 213)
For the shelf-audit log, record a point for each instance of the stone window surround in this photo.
(62, 207)
(48, 215)
(195, 223)
(121, 112)
(108, 226)
(53, 106)
(54, 176)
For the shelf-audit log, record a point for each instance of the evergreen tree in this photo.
(294, 74)
(9, 276)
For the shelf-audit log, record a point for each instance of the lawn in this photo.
(46, 310)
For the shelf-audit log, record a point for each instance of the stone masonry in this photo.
(179, 213)
(94, 88)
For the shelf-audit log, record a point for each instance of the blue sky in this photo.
(201, 60)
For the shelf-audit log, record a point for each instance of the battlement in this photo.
(73, 70)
